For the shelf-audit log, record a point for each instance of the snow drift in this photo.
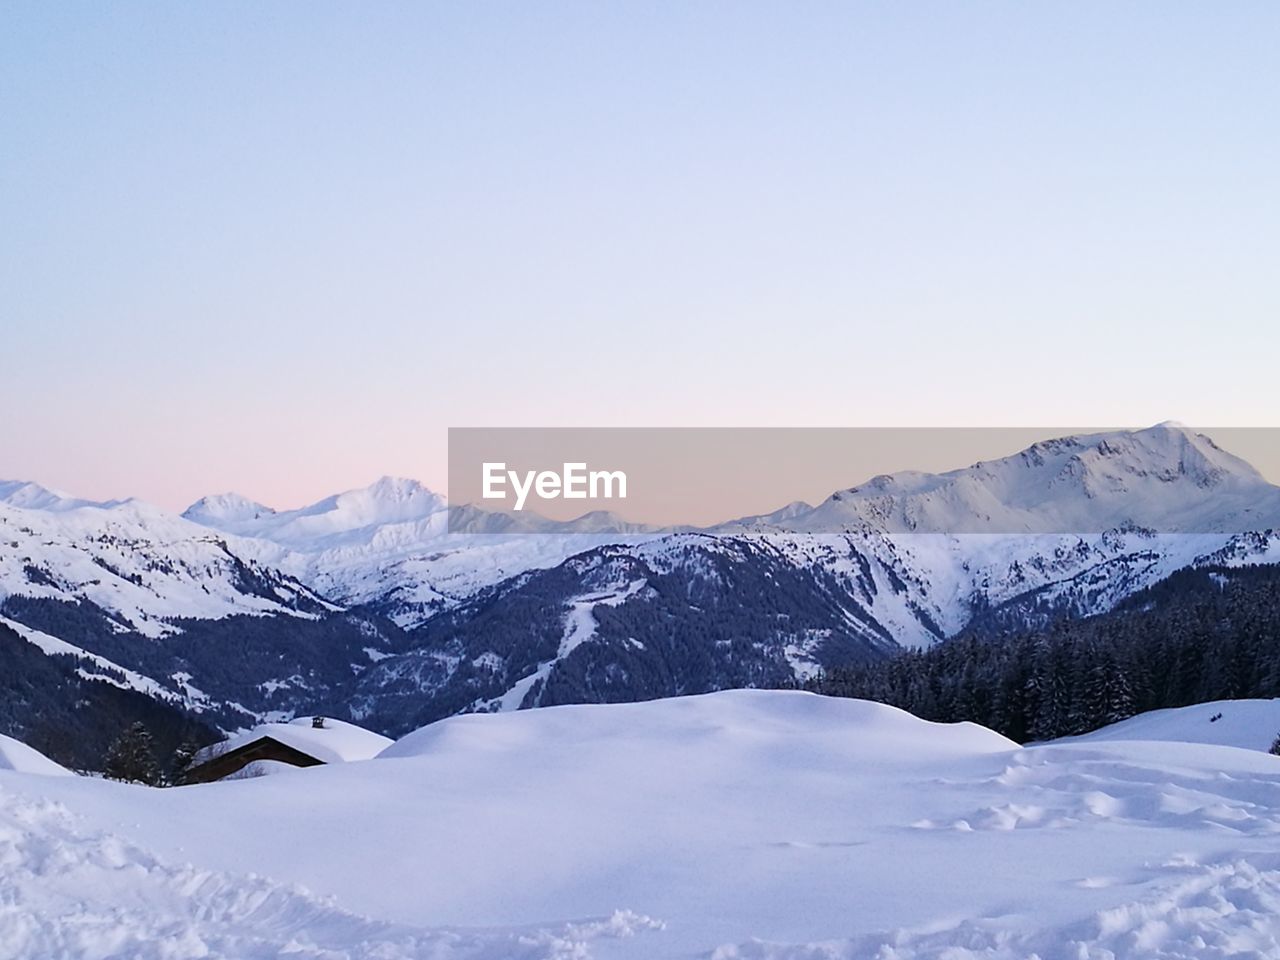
(17, 756)
(1248, 724)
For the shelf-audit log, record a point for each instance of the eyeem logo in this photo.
(575, 482)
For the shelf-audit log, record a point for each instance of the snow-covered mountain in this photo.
(366, 601)
(229, 512)
(356, 517)
(124, 594)
(145, 567)
(236, 612)
(389, 544)
(1166, 478)
(905, 560)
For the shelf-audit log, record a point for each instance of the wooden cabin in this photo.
(271, 747)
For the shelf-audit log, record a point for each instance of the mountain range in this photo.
(367, 604)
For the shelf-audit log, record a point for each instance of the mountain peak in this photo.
(225, 508)
(386, 500)
(28, 495)
(1165, 477)
(350, 517)
(1168, 451)
(397, 489)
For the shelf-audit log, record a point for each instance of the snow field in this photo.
(760, 825)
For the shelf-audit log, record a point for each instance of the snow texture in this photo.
(1249, 724)
(17, 756)
(760, 825)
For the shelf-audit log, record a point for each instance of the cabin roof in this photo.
(336, 742)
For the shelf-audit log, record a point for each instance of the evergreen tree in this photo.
(181, 759)
(1275, 746)
(1120, 701)
(1053, 670)
(132, 757)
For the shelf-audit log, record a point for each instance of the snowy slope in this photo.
(17, 756)
(1248, 724)
(80, 893)
(92, 666)
(771, 826)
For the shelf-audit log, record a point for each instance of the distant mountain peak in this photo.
(347, 518)
(1165, 477)
(28, 495)
(1168, 452)
(398, 488)
(386, 500)
(225, 507)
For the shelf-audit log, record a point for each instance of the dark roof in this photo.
(221, 765)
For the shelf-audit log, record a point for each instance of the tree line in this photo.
(1201, 635)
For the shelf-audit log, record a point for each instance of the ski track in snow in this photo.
(579, 628)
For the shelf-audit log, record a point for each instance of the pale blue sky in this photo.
(279, 247)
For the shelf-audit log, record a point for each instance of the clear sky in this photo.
(280, 247)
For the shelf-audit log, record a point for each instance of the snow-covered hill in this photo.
(17, 756)
(743, 825)
(1248, 724)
